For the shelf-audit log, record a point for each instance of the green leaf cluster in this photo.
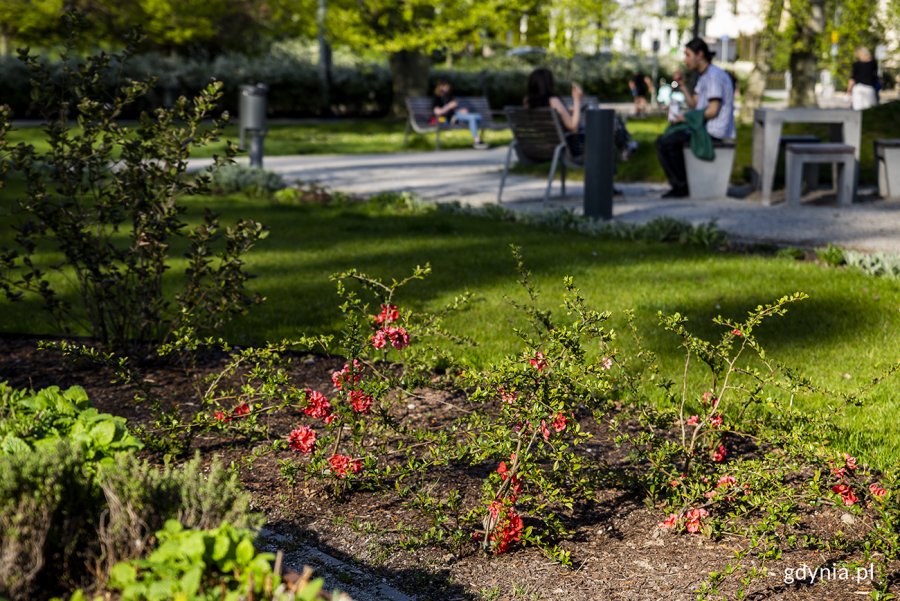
(196, 564)
(30, 420)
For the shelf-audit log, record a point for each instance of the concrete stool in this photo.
(810, 170)
(708, 180)
(887, 157)
(842, 155)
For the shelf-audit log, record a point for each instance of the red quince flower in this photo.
(507, 532)
(693, 520)
(389, 313)
(360, 401)
(559, 422)
(545, 431)
(380, 339)
(317, 406)
(539, 362)
(725, 481)
(850, 461)
(398, 336)
(716, 421)
(507, 396)
(220, 416)
(241, 410)
(302, 438)
(736, 332)
(692, 420)
(346, 376)
(877, 491)
(846, 493)
(669, 522)
(720, 453)
(341, 465)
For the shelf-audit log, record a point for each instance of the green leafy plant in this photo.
(196, 564)
(30, 420)
(227, 179)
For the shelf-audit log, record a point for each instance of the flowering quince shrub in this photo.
(342, 433)
(738, 458)
(523, 425)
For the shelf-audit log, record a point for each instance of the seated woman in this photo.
(541, 93)
(446, 107)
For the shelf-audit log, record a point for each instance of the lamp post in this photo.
(696, 19)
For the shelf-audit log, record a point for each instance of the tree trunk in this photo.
(804, 73)
(756, 85)
(409, 71)
(804, 66)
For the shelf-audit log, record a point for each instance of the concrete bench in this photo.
(708, 180)
(841, 155)
(811, 171)
(887, 158)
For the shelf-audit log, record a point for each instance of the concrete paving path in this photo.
(472, 177)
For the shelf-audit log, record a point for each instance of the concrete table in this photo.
(767, 124)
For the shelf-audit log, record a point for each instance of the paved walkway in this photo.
(472, 177)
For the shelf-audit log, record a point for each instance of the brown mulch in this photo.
(618, 552)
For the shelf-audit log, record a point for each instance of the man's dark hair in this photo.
(697, 45)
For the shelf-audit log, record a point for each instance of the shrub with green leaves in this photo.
(107, 196)
(196, 564)
(30, 420)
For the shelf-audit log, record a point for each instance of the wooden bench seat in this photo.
(887, 159)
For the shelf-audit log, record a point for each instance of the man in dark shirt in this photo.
(447, 109)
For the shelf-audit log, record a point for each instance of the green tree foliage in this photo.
(27, 20)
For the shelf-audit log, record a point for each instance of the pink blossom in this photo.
(507, 396)
(360, 401)
(736, 332)
(302, 438)
(692, 420)
(716, 421)
(669, 522)
(539, 362)
(346, 376)
(725, 481)
(341, 465)
(389, 313)
(877, 491)
(545, 431)
(720, 453)
(317, 406)
(398, 336)
(606, 363)
(379, 340)
(850, 461)
(692, 520)
(559, 422)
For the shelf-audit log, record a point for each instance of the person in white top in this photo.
(714, 95)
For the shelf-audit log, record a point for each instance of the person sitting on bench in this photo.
(449, 109)
(714, 95)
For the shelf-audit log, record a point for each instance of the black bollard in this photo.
(599, 163)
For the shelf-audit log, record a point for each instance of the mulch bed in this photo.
(618, 551)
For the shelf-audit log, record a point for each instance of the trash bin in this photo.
(252, 111)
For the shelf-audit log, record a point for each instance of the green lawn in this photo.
(383, 135)
(840, 337)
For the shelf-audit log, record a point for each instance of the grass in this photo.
(840, 337)
(385, 135)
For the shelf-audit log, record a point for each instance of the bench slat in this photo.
(820, 148)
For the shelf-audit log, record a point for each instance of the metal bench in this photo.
(539, 137)
(887, 158)
(841, 155)
(708, 180)
(422, 120)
